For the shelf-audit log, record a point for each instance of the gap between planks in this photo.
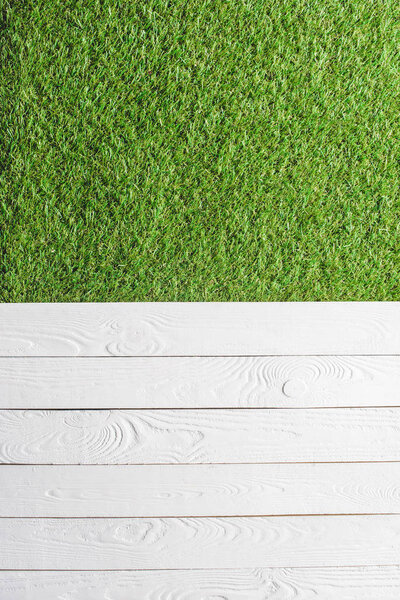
(347, 462)
(203, 408)
(195, 569)
(218, 516)
(171, 356)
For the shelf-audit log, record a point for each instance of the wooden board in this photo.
(200, 382)
(199, 490)
(199, 329)
(201, 543)
(342, 583)
(204, 450)
(199, 436)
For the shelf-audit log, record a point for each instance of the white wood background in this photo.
(200, 451)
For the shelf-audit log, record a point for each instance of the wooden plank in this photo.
(200, 382)
(341, 583)
(202, 543)
(199, 436)
(199, 329)
(199, 490)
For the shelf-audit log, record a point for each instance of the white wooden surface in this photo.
(199, 490)
(340, 583)
(200, 382)
(200, 543)
(200, 451)
(199, 436)
(199, 329)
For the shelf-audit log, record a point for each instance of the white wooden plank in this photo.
(340, 583)
(199, 436)
(202, 329)
(199, 490)
(203, 543)
(200, 382)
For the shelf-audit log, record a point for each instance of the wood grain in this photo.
(199, 436)
(342, 583)
(199, 490)
(203, 543)
(200, 382)
(199, 329)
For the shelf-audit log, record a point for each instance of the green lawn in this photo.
(200, 150)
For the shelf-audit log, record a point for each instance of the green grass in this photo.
(200, 150)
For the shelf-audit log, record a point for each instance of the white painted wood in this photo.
(202, 543)
(203, 329)
(276, 526)
(198, 490)
(200, 382)
(341, 583)
(199, 436)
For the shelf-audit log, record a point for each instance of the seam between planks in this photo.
(243, 569)
(194, 408)
(155, 356)
(218, 516)
(304, 462)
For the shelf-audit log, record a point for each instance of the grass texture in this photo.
(198, 150)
